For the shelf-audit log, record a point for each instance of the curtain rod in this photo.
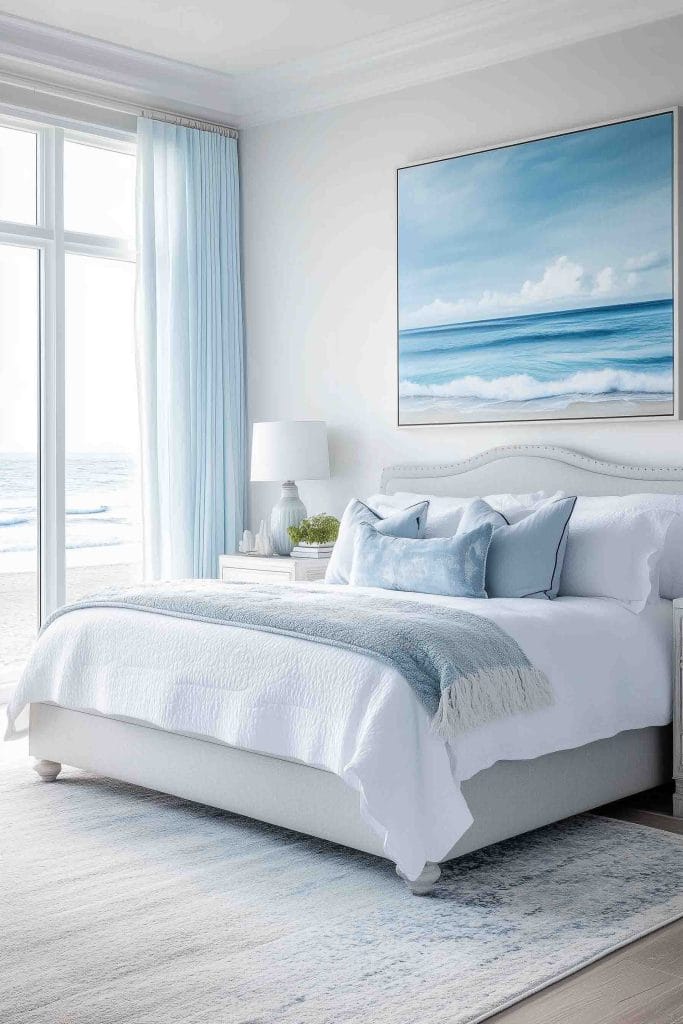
(108, 103)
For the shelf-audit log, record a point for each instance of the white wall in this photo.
(319, 236)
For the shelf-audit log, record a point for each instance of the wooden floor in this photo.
(640, 984)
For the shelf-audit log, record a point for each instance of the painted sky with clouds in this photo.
(573, 221)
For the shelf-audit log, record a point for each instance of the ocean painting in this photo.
(536, 281)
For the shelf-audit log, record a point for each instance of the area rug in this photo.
(121, 906)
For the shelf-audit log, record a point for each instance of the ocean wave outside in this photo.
(101, 502)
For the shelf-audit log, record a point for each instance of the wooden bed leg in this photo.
(48, 770)
(425, 882)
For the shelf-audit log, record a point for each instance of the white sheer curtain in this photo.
(190, 348)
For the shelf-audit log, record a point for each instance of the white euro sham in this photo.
(614, 551)
(671, 563)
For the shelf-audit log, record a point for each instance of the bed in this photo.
(331, 744)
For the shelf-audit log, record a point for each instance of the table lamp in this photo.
(289, 450)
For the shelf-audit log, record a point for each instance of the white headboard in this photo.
(521, 468)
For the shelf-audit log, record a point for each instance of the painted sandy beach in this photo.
(434, 412)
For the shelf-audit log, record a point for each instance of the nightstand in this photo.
(678, 705)
(277, 569)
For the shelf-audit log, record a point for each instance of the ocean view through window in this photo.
(102, 522)
(70, 520)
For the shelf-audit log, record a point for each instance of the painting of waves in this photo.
(565, 307)
(582, 362)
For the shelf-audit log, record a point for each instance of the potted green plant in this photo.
(317, 531)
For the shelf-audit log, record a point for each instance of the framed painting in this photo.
(539, 280)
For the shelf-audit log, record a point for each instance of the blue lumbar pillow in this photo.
(525, 558)
(454, 566)
(409, 522)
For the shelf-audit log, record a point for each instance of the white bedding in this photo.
(349, 714)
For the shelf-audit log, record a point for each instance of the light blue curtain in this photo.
(189, 348)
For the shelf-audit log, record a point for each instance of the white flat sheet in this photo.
(349, 714)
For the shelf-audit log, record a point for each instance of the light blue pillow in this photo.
(454, 566)
(525, 558)
(408, 522)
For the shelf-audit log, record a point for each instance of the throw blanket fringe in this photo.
(477, 699)
(465, 669)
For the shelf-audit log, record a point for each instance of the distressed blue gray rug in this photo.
(122, 906)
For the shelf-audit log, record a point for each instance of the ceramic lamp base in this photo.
(289, 511)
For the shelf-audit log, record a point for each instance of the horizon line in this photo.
(547, 312)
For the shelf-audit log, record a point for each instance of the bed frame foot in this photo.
(48, 770)
(678, 799)
(425, 882)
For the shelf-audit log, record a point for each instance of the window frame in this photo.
(54, 243)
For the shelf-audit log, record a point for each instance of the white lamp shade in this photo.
(290, 450)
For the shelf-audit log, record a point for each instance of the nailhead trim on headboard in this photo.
(550, 452)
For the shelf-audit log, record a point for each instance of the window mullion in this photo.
(52, 379)
(99, 245)
(45, 204)
(23, 234)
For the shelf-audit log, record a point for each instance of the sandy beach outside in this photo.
(19, 612)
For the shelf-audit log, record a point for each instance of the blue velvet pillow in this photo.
(525, 558)
(408, 522)
(455, 566)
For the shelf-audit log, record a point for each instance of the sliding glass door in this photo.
(69, 494)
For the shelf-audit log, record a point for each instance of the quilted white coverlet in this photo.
(352, 715)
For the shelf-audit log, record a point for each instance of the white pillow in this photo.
(614, 550)
(444, 515)
(671, 563)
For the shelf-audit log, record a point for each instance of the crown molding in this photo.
(78, 62)
(471, 35)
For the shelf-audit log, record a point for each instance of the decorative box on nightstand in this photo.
(277, 569)
(678, 706)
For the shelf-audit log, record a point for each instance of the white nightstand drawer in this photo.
(258, 569)
(310, 570)
(234, 575)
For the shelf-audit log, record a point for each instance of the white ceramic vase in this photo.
(289, 511)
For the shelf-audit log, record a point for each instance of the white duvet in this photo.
(349, 714)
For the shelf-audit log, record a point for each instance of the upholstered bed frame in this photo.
(507, 799)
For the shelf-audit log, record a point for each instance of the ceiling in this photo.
(251, 62)
(229, 35)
